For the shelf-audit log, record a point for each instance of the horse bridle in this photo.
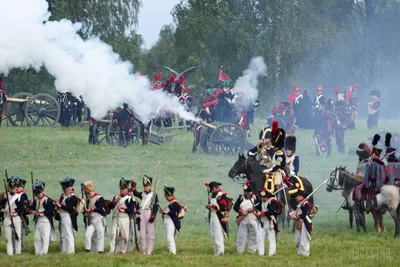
(242, 176)
(333, 178)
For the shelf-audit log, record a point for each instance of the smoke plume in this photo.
(88, 68)
(246, 85)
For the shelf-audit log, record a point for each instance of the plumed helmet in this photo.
(364, 151)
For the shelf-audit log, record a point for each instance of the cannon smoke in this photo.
(88, 68)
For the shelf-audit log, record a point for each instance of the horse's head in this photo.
(239, 167)
(334, 179)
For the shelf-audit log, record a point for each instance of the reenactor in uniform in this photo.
(43, 210)
(91, 140)
(217, 206)
(77, 108)
(247, 220)
(340, 120)
(95, 219)
(268, 210)
(3, 99)
(68, 213)
(170, 215)
(319, 105)
(325, 130)
(24, 217)
(64, 99)
(264, 149)
(157, 81)
(123, 206)
(292, 161)
(373, 108)
(148, 210)
(303, 224)
(13, 209)
(124, 119)
(393, 166)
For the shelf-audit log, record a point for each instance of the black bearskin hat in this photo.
(390, 150)
(265, 133)
(278, 135)
(376, 150)
(290, 143)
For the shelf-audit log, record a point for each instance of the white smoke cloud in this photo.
(246, 85)
(89, 68)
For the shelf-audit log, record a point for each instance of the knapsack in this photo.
(229, 204)
(312, 211)
(279, 208)
(181, 211)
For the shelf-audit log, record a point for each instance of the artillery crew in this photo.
(95, 219)
(247, 220)
(148, 210)
(43, 210)
(68, 208)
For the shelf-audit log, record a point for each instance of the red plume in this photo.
(206, 184)
(356, 86)
(181, 79)
(336, 90)
(157, 76)
(171, 79)
(275, 125)
(248, 182)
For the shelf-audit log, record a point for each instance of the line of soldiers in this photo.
(127, 215)
(256, 219)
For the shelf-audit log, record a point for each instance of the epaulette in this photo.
(279, 153)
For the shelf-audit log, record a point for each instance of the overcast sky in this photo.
(153, 15)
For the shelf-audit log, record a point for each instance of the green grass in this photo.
(54, 153)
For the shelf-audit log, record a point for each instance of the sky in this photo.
(153, 15)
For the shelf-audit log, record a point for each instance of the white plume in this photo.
(85, 67)
(246, 86)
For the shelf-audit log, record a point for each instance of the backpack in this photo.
(229, 204)
(107, 206)
(280, 208)
(312, 211)
(181, 211)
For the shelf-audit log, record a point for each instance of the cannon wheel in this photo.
(15, 111)
(114, 137)
(42, 110)
(227, 139)
(100, 132)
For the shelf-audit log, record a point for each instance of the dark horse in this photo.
(252, 169)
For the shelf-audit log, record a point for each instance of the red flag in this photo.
(223, 76)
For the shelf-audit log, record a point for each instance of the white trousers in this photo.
(120, 227)
(13, 246)
(67, 235)
(302, 241)
(42, 235)
(268, 231)
(94, 235)
(248, 230)
(132, 232)
(217, 235)
(170, 232)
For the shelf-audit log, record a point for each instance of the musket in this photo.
(209, 210)
(312, 193)
(33, 196)
(388, 154)
(134, 229)
(16, 237)
(153, 197)
(258, 218)
(85, 214)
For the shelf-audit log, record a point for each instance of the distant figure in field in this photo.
(3, 99)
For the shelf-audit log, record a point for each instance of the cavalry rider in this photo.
(319, 105)
(268, 213)
(373, 108)
(303, 223)
(3, 99)
(292, 161)
(340, 119)
(247, 220)
(393, 166)
(217, 206)
(264, 149)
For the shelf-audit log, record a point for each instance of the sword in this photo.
(341, 206)
(284, 186)
(312, 193)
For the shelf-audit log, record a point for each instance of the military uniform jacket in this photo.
(319, 102)
(374, 172)
(44, 207)
(243, 204)
(126, 203)
(172, 212)
(146, 201)
(218, 205)
(96, 204)
(293, 164)
(69, 204)
(278, 160)
(302, 213)
(17, 204)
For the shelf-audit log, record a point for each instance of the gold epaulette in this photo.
(279, 153)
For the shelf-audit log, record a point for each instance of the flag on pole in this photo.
(222, 75)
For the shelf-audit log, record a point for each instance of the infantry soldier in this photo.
(319, 105)
(68, 213)
(268, 210)
(95, 219)
(303, 224)
(247, 220)
(393, 166)
(217, 206)
(123, 206)
(170, 215)
(292, 161)
(373, 108)
(43, 210)
(24, 218)
(13, 211)
(148, 211)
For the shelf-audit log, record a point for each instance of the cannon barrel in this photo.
(208, 125)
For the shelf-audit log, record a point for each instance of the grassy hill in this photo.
(54, 153)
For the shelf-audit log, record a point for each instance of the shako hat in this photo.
(169, 191)
(38, 187)
(67, 182)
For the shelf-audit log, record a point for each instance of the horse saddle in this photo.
(297, 184)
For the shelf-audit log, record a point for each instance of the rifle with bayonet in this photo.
(16, 237)
(86, 217)
(153, 197)
(33, 198)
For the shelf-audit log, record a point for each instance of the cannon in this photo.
(32, 110)
(220, 138)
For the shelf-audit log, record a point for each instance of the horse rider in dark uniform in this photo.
(393, 165)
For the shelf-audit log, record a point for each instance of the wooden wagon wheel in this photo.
(136, 132)
(113, 134)
(15, 111)
(42, 110)
(228, 139)
(100, 132)
(205, 140)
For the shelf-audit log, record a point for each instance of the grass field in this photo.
(54, 153)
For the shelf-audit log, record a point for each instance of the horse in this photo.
(340, 179)
(387, 199)
(252, 170)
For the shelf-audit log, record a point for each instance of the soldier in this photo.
(319, 105)
(295, 96)
(64, 99)
(170, 216)
(95, 219)
(340, 120)
(217, 206)
(292, 161)
(123, 206)
(124, 119)
(157, 83)
(92, 140)
(3, 99)
(68, 212)
(13, 209)
(24, 217)
(373, 108)
(43, 210)
(268, 210)
(247, 220)
(148, 211)
(325, 130)
(303, 224)
(393, 166)
(264, 146)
